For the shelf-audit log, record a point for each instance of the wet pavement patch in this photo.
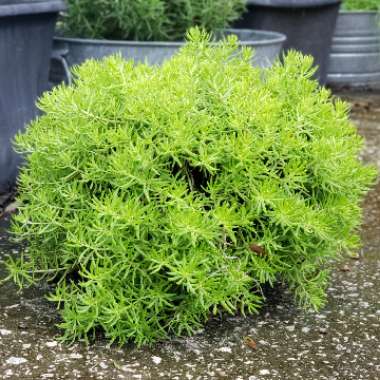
(341, 342)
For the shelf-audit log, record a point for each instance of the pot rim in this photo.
(359, 13)
(292, 3)
(31, 8)
(272, 37)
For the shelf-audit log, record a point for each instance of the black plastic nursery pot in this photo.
(308, 24)
(26, 35)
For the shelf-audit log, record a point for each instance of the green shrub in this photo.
(361, 5)
(156, 196)
(147, 20)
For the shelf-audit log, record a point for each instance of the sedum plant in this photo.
(147, 20)
(361, 5)
(154, 197)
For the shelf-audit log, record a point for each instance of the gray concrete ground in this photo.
(342, 342)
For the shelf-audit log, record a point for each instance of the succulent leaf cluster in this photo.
(154, 197)
(361, 5)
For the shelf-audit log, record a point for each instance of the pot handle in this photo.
(59, 56)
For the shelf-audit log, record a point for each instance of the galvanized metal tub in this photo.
(355, 55)
(68, 52)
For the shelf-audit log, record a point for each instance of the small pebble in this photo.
(76, 356)
(225, 349)
(14, 360)
(156, 359)
(51, 344)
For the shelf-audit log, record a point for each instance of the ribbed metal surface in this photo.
(355, 55)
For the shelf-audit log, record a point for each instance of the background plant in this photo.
(365, 5)
(153, 197)
(147, 20)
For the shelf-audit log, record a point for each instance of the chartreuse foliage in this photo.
(156, 196)
(361, 5)
(147, 20)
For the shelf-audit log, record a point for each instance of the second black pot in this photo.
(308, 24)
(26, 37)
